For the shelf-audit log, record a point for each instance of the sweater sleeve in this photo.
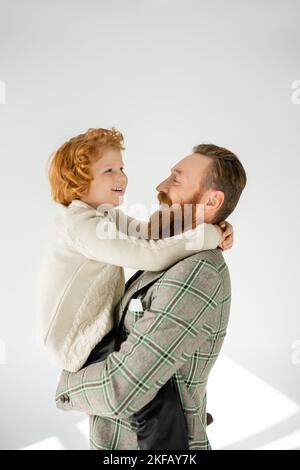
(98, 238)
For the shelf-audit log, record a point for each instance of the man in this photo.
(179, 331)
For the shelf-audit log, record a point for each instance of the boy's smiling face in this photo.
(109, 181)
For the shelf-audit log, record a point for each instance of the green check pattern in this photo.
(178, 336)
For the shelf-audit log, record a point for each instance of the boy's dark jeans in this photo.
(161, 423)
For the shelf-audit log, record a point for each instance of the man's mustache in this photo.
(164, 199)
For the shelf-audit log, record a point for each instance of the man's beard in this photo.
(174, 219)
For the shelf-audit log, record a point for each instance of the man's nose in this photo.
(162, 187)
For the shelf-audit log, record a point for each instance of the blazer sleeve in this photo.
(159, 344)
(98, 238)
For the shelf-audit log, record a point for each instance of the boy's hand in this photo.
(227, 235)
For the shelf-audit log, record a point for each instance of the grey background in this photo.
(169, 74)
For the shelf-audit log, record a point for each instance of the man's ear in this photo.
(216, 199)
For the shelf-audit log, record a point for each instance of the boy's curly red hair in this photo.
(69, 170)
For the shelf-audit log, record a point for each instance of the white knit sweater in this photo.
(81, 277)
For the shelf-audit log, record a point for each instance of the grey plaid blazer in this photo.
(178, 335)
